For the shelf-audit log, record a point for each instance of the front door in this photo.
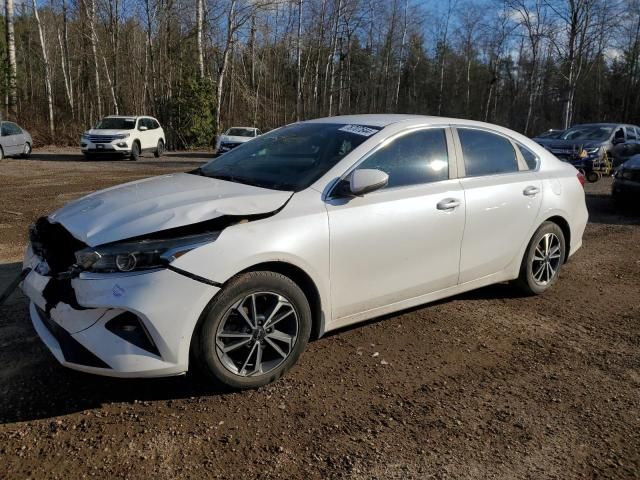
(402, 241)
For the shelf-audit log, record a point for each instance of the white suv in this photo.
(127, 136)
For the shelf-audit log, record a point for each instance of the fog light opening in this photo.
(130, 328)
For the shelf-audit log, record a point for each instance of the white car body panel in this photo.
(368, 256)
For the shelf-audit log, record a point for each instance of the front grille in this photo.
(229, 145)
(53, 243)
(102, 138)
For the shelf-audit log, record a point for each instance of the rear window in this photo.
(486, 153)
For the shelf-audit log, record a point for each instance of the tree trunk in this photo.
(11, 57)
(91, 15)
(199, 25)
(47, 70)
(225, 62)
(299, 66)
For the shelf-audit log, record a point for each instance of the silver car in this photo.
(14, 141)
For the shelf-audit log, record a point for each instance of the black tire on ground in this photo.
(527, 281)
(88, 156)
(159, 149)
(135, 151)
(1, 153)
(26, 153)
(207, 355)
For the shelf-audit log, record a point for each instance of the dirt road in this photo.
(484, 385)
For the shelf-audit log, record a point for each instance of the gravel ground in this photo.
(484, 385)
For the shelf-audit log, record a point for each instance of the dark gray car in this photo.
(582, 145)
(14, 141)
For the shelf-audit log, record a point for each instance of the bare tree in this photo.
(11, 59)
(47, 69)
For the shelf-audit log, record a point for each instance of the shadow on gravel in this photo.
(603, 210)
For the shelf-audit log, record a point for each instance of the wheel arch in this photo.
(566, 231)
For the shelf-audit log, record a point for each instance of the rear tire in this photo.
(542, 260)
(135, 151)
(159, 149)
(223, 326)
(1, 154)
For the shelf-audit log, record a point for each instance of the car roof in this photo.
(128, 116)
(602, 124)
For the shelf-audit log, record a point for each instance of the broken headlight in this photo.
(139, 255)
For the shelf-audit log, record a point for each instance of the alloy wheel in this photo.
(546, 259)
(257, 334)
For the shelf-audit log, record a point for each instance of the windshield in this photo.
(588, 132)
(112, 123)
(241, 132)
(290, 158)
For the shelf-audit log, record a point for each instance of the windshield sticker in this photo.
(359, 130)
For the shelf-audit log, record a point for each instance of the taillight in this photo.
(581, 179)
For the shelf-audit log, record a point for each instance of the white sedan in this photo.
(314, 226)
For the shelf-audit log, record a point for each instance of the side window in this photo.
(4, 130)
(530, 158)
(153, 124)
(619, 135)
(486, 153)
(13, 129)
(631, 133)
(414, 158)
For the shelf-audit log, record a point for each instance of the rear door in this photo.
(503, 195)
(402, 241)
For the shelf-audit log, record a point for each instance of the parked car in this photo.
(626, 182)
(587, 144)
(311, 227)
(14, 141)
(235, 136)
(124, 136)
(551, 133)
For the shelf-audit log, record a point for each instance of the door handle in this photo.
(448, 204)
(531, 191)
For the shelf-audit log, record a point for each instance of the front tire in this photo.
(135, 151)
(543, 260)
(159, 149)
(26, 153)
(253, 331)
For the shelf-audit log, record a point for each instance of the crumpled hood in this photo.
(159, 203)
(234, 139)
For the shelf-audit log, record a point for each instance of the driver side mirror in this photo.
(617, 140)
(361, 182)
(142, 128)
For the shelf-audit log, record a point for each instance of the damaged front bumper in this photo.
(121, 325)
